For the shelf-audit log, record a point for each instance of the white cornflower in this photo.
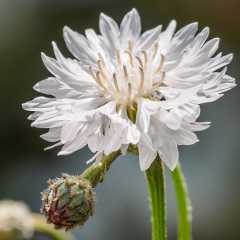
(161, 76)
(15, 218)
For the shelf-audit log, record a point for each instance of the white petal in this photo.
(53, 146)
(110, 31)
(199, 40)
(87, 104)
(197, 126)
(169, 153)
(187, 32)
(185, 137)
(34, 116)
(74, 146)
(148, 38)
(53, 66)
(221, 62)
(211, 47)
(69, 131)
(188, 112)
(30, 105)
(184, 96)
(166, 36)
(79, 81)
(60, 58)
(96, 44)
(171, 119)
(52, 86)
(96, 142)
(113, 144)
(133, 135)
(130, 27)
(143, 118)
(78, 46)
(53, 135)
(145, 109)
(77, 143)
(94, 157)
(146, 156)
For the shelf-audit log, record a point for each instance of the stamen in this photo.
(145, 58)
(130, 57)
(159, 68)
(130, 45)
(141, 80)
(129, 91)
(99, 80)
(134, 64)
(92, 73)
(101, 58)
(102, 68)
(163, 77)
(158, 83)
(156, 46)
(99, 64)
(125, 72)
(140, 61)
(118, 57)
(116, 83)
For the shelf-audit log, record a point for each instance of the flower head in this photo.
(15, 220)
(69, 201)
(160, 75)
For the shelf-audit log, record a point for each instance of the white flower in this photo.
(161, 75)
(15, 216)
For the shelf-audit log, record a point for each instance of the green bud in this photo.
(68, 202)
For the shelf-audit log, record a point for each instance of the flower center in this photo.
(130, 75)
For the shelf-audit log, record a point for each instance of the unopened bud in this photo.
(68, 202)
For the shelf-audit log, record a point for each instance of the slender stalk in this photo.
(97, 171)
(184, 205)
(156, 187)
(46, 229)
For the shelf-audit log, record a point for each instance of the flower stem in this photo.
(97, 171)
(46, 229)
(184, 204)
(156, 187)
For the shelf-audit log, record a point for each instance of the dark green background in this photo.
(211, 166)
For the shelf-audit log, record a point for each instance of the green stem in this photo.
(156, 187)
(46, 229)
(184, 204)
(97, 171)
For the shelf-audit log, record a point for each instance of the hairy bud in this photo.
(68, 202)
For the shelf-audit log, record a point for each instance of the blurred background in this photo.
(212, 166)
